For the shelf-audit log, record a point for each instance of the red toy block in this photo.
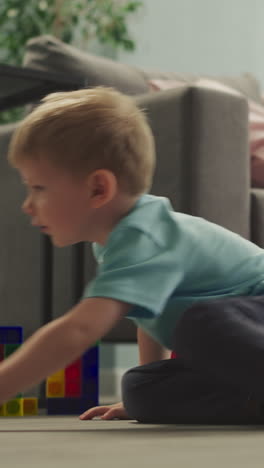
(2, 352)
(73, 371)
(73, 388)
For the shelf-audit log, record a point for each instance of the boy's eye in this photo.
(37, 188)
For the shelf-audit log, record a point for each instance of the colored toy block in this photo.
(60, 406)
(54, 389)
(11, 335)
(55, 385)
(10, 348)
(90, 387)
(80, 385)
(90, 364)
(30, 406)
(89, 372)
(2, 352)
(73, 389)
(11, 339)
(73, 371)
(20, 407)
(91, 356)
(12, 408)
(73, 379)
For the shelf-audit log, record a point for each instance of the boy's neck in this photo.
(112, 213)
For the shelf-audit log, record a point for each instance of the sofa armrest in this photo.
(219, 159)
(202, 153)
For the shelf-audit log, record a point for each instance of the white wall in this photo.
(200, 36)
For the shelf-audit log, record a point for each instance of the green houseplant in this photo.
(73, 21)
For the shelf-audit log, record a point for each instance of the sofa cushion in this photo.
(48, 53)
(257, 216)
(256, 134)
(246, 83)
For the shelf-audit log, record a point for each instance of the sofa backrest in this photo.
(48, 53)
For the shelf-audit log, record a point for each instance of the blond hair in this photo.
(86, 130)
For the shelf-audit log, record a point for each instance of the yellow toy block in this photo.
(30, 406)
(55, 385)
(12, 408)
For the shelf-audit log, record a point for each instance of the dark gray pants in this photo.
(219, 375)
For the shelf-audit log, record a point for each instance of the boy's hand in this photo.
(106, 412)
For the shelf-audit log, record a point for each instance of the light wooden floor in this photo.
(49, 441)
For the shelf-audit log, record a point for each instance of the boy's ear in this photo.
(102, 187)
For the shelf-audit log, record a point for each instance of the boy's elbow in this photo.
(94, 317)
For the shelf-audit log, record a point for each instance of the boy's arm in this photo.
(58, 343)
(149, 349)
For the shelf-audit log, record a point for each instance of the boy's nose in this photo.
(27, 206)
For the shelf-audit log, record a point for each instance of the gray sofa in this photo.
(202, 166)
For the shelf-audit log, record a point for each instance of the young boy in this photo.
(87, 158)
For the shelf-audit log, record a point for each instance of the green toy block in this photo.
(12, 408)
(11, 348)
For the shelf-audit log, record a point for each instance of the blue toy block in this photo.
(91, 357)
(89, 371)
(90, 387)
(11, 335)
(62, 406)
(90, 364)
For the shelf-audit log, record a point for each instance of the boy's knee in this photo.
(133, 395)
(128, 382)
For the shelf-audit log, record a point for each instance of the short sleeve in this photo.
(135, 269)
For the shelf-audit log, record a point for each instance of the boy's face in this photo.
(57, 203)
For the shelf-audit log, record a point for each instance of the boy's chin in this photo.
(57, 242)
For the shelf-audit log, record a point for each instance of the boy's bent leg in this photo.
(225, 338)
(168, 392)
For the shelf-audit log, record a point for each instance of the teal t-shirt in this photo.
(162, 262)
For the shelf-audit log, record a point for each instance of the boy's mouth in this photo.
(41, 227)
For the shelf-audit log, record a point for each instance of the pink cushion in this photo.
(256, 139)
(160, 85)
(256, 123)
